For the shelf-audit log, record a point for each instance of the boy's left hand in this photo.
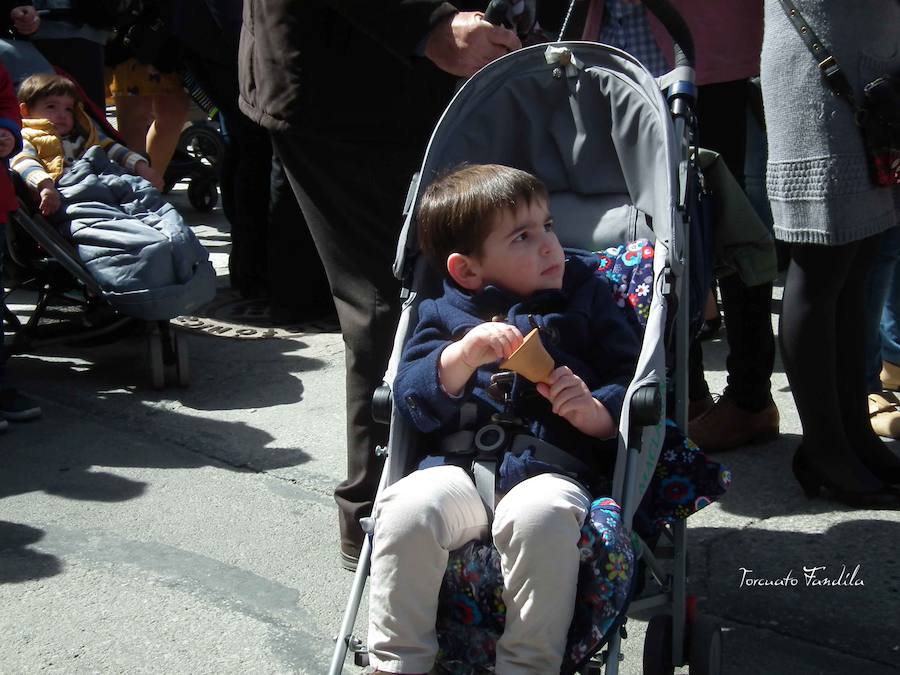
(7, 143)
(147, 172)
(572, 400)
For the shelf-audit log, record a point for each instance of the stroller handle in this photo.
(677, 28)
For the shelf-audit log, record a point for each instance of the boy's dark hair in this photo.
(458, 210)
(42, 85)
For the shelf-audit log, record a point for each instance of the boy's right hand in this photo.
(50, 201)
(489, 342)
(485, 343)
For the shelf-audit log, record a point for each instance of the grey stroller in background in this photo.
(591, 122)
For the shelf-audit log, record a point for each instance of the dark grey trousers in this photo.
(352, 195)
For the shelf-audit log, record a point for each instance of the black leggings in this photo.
(823, 345)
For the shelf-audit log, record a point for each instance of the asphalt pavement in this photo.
(192, 530)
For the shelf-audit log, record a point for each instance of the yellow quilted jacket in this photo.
(48, 144)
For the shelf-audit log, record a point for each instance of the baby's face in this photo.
(522, 253)
(58, 109)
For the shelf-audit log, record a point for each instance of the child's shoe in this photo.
(890, 375)
(884, 412)
(17, 407)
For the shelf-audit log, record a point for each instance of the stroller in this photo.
(86, 301)
(614, 153)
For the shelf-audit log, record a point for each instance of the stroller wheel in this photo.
(705, 646)
(203, 143)
(155, 358)
(203, 194)
(658, 646)
(182, 363)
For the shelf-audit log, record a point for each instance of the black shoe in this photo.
(17, 407)
(883, 463)
(857, 487)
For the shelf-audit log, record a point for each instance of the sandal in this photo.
(884, 413)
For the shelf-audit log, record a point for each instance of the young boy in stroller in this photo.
(56, 131)
(488, 228)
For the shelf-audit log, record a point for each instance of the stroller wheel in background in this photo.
(705, 646)
(168, 355)
(203, 193)
(658, 646)
(155, 359)
(203, 143)
(182, 362)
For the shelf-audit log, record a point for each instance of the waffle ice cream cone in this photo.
(530, 360)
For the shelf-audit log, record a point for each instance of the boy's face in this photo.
(521, 254)
(58, 109)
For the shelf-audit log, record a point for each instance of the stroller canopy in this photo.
(597, 131)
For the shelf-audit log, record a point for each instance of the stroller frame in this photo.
(675, 628)
(54, 270)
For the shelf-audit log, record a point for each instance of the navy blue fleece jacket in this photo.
(584, 330)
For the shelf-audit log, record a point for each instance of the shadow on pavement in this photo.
(225, 374)
(764, 486)
(19, 563)
(830, 582)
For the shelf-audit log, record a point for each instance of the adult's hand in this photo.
(464, 43)
(25, 19)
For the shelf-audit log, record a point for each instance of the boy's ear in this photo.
(23, 110)
(465, 271)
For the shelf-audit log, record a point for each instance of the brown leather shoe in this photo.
(726, 426)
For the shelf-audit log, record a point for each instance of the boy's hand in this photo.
(485, 343)
(488, 342)
(50, 201)
(25, 19)
(148, 173)
(572, 400)
(7, 143)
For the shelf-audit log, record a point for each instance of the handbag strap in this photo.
(832, 72)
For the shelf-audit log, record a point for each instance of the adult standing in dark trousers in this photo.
(728, 37)
(827, 207)
(350, 90)
(272, 251)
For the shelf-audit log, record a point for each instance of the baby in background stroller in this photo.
(488, 229)
(106, 200)
(56, 131)
(111, 244)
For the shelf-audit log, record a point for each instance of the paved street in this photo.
(193, 530)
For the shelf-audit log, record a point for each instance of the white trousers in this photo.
(430, 512)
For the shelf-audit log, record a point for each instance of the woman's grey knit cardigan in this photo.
(816, 175)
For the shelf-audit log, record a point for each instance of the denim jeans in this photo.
(883, 316)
